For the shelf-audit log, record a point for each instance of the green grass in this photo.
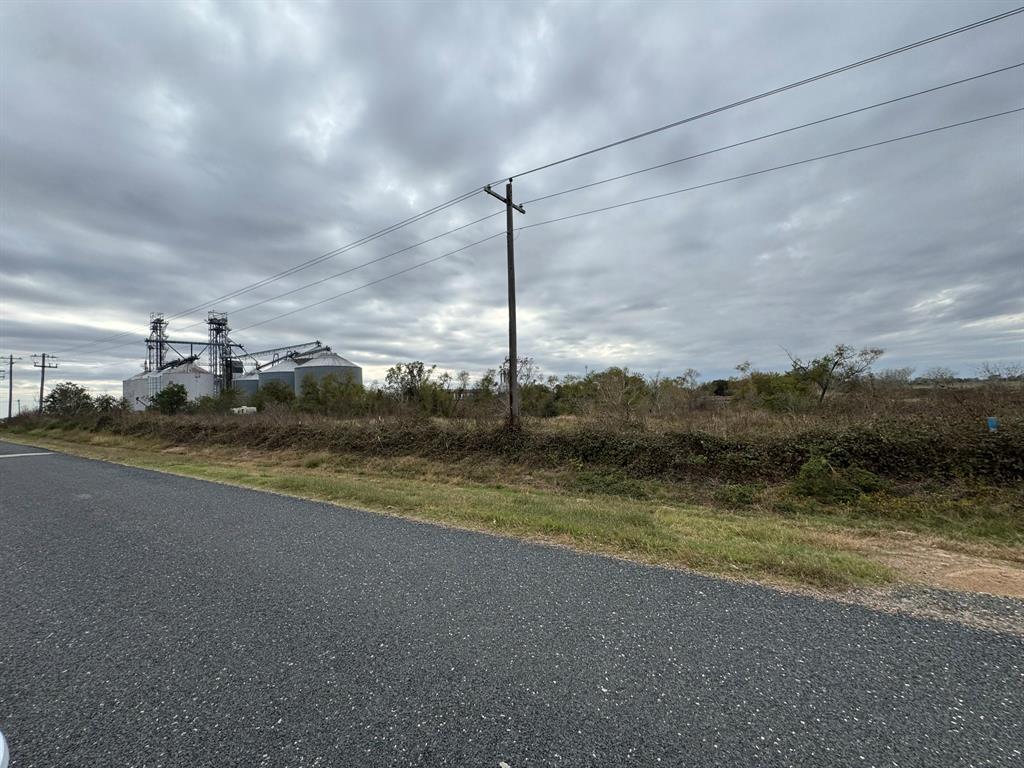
(652, 530)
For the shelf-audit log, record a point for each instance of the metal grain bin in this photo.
(197, 381)
(247, 384)
(324, 364)
(282, 370)
(136, 390)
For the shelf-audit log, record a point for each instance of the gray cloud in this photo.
(156, 156)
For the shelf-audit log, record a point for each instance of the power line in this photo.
(379, 259)
(634, 202)
(766, 94)
(373, 282)
(237, 310)
(773, 168)
(677, 123)
(331, 254)
(772, 92)
(624, 176)
(774, 134)
(298, 267)
(336, 275)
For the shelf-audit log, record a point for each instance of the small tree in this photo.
(272, 393)
(1001, 371)
(310, 400)
(222, 403)
(618, 395)
(405, 380)
(110, 404)
(170, 400)
(940, 375)
(487, 387)
(842, 365)
(67, 399)
(895, 377)
(341, 397)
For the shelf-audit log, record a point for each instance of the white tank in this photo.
(136, 391)
(140, 388)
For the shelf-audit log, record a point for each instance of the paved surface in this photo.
(151, 620)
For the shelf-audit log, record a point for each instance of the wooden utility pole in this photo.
(513, 352)
(10, 383)
(42, 366)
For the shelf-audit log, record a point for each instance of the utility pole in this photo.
(10, 383)
(42, 366)
(513, 352)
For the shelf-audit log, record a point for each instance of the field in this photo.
(830, 498)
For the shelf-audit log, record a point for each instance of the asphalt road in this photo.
(152, 620)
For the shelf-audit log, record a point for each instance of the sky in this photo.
(155, 157)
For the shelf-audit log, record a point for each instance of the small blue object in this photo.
(993, 423)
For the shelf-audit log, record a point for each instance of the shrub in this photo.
(170, 400)
(819, 480)
(67, 399)
(736, 495)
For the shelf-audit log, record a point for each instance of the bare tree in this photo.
(1000, 371)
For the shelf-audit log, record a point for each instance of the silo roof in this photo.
(190, 368)
(284, 364)
(328, 360)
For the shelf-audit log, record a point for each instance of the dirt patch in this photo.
(926, 564)
(956, 570)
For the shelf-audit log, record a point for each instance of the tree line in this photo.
(617, 393)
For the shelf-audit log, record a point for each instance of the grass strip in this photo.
(654, 531)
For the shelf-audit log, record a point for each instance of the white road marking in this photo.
(18, 455)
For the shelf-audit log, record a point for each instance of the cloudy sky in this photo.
(156, 156)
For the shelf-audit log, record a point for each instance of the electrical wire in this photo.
(350, 270)
(321, 281)
(751, 174)
(772, 92)
(773, 134)
(650, 132)
(634, 202)
(337, 251)
(372, 282)
(296, 268)
(766, 94)
(877, 105)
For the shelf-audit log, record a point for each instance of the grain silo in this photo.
(324, 364)
(247, 385)
(283, 371)
(136, 390)
(197, 381)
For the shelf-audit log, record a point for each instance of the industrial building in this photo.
(230, 364)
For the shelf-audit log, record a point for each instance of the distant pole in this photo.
(513, 352)
(10, 384)
(42, 366)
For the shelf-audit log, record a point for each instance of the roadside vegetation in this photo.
(794, 477)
